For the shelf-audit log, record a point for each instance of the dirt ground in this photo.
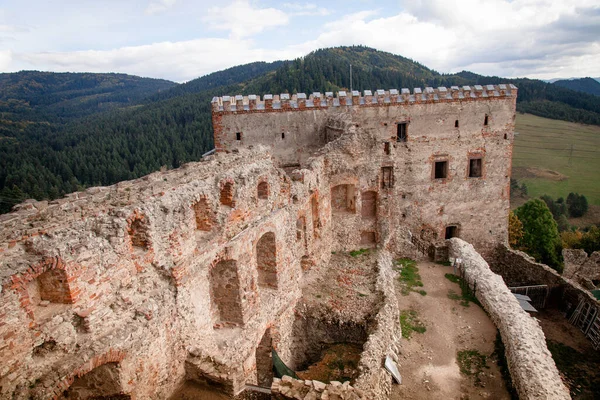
(428, 361)
(532, 172)
(575, 357)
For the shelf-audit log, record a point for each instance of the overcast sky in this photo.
(181, 40)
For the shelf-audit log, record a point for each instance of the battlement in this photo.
(301, 101)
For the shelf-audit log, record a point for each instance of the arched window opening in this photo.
(138, 233)
(264, 360)
(50, 287)
(263, 190)
(226, 195)
(451, 231)
(204, 214)
(368, 238)
(266, 261)
(225, 292)
(103, 382)
(343, 198)
(369, 204)
(316, 220)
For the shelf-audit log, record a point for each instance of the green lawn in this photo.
(570, 149)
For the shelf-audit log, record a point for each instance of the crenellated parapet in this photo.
(301, 101)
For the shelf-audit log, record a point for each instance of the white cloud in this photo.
(159, 6)
(179, 61)
(243, 20)
(535, 38)
(543, 38)
(307, 9)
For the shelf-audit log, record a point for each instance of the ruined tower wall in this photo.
(467, 128)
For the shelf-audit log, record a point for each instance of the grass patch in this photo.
(581, 371)
(472, 363)
(409, 323)
(452, 278)
(466, 295)
(552, 141)
(356, 253)
(409, 277)
(444, 263)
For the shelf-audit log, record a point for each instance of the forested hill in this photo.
(32, 96)
(586, 85)
(230, 76)
(152, 129)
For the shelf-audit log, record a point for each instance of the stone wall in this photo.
(136, 269)
(581, 267)
(530, 363)
(366, 155)
(289, 389)
(373, 382)
(191, 274)
(519, 269)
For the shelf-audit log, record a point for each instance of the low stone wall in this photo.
(289, 388)
(374, 382)
(520, 269)
(531, 366)
(580, 266)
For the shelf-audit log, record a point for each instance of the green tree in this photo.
(577, 205)
(540, 233)
(590, 240)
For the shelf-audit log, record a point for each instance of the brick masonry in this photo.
(180, 274)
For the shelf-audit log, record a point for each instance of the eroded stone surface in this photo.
(191, 274)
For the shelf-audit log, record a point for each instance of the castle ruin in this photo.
(196, 274)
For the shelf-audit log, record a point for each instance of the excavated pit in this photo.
(335, 317)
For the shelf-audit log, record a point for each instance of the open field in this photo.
(557, 157)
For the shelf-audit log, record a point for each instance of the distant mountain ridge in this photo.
(63, 133)
(585, 85)
(40, 96)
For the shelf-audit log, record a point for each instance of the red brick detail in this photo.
(56, 283)
(111, 356)
(226, 194)
(205, 215)
(137, 228)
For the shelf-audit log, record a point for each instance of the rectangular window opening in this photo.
(456, 124)
(401, 135)
(475, 168)
(485, 121)
(387, 177)
(386, 148)
(451, 231)
(283, 135)
(238, 136)
(441, 170)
